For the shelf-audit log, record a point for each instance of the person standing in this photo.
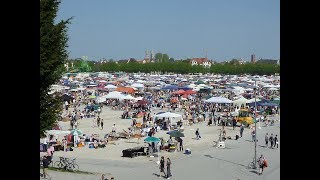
(266, 138)
(162, 167)
(114, 129)
(253, 134)
(98, 121)
(101, 123)
(168, 168)
(271, 140)
(234, 123)
(276, 141)
(197, 134)
(181, 144)
(241, 130)
(261, 164)
(65, 144)
(45, 164)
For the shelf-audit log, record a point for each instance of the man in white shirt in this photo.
(114, 129)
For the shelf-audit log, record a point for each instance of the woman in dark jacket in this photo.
(162, 166)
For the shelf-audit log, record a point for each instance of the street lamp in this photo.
(255, 124)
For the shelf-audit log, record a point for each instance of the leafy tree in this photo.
(171, 59)
(158, 57)
(53, 54)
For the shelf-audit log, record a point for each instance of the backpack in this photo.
(265, 163)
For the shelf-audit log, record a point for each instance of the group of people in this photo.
(166, 174)
(274, 141)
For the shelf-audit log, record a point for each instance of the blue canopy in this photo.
(171, 87)
(185, 88)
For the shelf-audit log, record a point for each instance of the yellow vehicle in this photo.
(244, 117)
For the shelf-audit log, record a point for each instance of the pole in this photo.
(255, 125)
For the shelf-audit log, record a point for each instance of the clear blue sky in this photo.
(121, 29)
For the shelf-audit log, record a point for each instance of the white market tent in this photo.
(113, 95)
(169, 115)
(252, 100)
(240, 101)
(218, 100)
(127, 97)
(110, 86)
(57, 132)
(137, 85)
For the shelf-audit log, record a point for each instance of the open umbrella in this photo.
(175, 133)
(76, 132)
(151, 139)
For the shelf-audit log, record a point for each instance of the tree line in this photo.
(182, 67)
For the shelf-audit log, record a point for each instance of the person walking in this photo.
(276, 141)
(271, 141)
(266, 138)
(162, 167)
(45, 164)
(181, 144)
(241, 130)
(101, 123)
(234, 123)
(168, 168)
(98, 121)
(197, 134)
(261, 163)
(253, 134)
(114, 129)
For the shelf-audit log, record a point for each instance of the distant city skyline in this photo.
(182, 29)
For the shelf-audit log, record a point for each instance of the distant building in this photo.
(242, 62)
(268, 61)
(253, 58)
(200, 61)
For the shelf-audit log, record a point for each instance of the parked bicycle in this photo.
(62, 163)
(72, 165)
(67, 164)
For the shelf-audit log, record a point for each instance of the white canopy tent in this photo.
(218, 100)
(137, 85)
(110, 86)
(127, 97)
(171, 116)
(113, 95)
(252, 100)
(240, 101)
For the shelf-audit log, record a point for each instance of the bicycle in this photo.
(62, 163)
(72, 165)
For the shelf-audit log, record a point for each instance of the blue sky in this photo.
(121, 29)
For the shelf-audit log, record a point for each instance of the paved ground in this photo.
(206, 163)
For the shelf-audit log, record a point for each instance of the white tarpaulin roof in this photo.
(137, 85)
(57, 132)
(240, 101)
(110, 86)
(113, 95)
(168, 115)
(218, 100)
(252, 100)
(128, 97)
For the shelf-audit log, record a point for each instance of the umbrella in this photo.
(76, 132)
(151, 139)
(175, 133)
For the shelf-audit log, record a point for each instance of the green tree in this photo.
(158, 57)
(53, 54)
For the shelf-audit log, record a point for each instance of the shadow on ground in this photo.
(209, 156)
